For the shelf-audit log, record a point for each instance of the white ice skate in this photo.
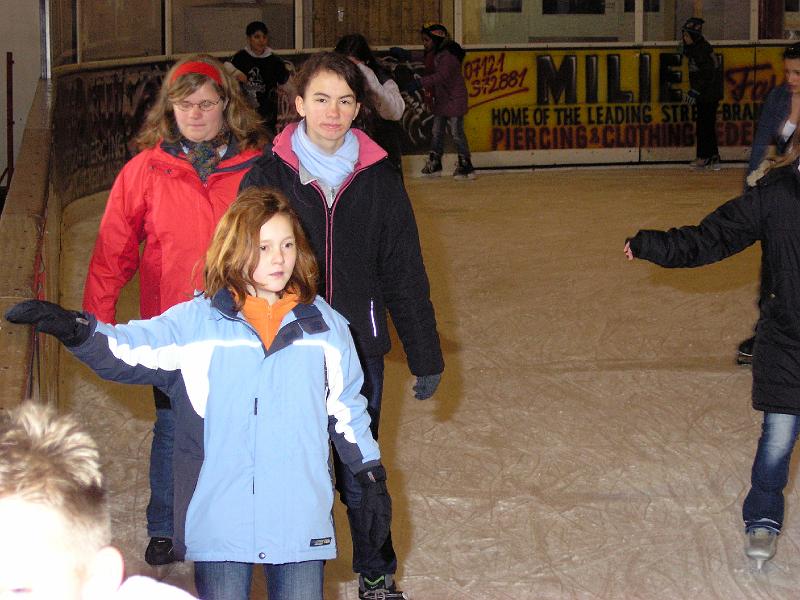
(761, 544)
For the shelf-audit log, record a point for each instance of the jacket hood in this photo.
(369, 152)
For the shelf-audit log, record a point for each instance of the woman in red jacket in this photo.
(197, 142)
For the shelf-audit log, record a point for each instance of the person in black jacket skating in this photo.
(705, 94)
(775, 136)
(769, 213)
(355, 210)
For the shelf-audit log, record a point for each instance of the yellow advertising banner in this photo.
(607, 97)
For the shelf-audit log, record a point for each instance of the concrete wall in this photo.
(19, 30)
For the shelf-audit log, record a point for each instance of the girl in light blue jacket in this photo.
(265, 375)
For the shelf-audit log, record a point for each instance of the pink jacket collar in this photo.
(369, 152)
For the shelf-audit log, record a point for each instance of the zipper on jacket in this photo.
(246, 324)
(329, 226)
(372, 317)
(255, 407)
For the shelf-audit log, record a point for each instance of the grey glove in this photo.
(70, 327)
(691, 97)
(426, 386)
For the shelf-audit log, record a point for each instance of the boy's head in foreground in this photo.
(54, 516)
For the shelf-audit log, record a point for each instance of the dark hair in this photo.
(335, 63)
(344, 68)
(355, 45)
(792, 51)
(255, 26)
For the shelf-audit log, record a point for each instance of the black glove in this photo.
(69, 326)
(374, 516)
(635, 244)
(426, 385)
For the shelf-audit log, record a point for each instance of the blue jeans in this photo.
(763, 506)
(457, 131)
(231, 580)
(159, 509)
(368, 560)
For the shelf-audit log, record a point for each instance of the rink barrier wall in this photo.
(530, 107)
(29, 251)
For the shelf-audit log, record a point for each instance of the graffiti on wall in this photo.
(96, 117)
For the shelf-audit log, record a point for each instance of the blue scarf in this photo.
(332, 169)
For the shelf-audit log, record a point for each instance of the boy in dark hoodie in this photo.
(260, 72)
(443, 57)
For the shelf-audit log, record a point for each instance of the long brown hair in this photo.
(242, 120)
(233, 254)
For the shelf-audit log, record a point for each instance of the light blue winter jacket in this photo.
(252, 482)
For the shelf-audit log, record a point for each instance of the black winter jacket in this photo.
(770, 213)
(705, 75)
(367, 247)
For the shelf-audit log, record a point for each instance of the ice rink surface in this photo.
(592, 436)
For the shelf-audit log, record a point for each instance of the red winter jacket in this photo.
(159, 199)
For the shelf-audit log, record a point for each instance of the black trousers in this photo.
(706, 129)
(368, 559)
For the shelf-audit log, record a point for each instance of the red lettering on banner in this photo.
(488, 80)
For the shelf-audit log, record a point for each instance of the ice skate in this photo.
(698, 164)
(433, 166)
(744, 355)
(159, 552)
(380, 588)
(713, 164)
(761, 544)
(464, 170)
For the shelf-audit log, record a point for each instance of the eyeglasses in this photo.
(204, 105)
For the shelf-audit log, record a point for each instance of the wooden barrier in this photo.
(29, 241)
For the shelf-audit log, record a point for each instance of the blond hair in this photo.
(47, 459)
(233, 254)
(242, 120)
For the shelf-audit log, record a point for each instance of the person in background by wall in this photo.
(55, 517)
(260, 71)
(449, 99)
(774, 137)
(197, 142)
(360, 222)
(705, 93)
(386, 98)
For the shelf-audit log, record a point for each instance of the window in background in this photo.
(573, 7)
(62, 33)
(201, 26)
(649, 5)
(791, 19)
(512, 6)
(113, 29)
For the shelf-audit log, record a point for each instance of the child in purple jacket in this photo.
(449, 90)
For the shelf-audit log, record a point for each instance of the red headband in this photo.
(197, 67)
